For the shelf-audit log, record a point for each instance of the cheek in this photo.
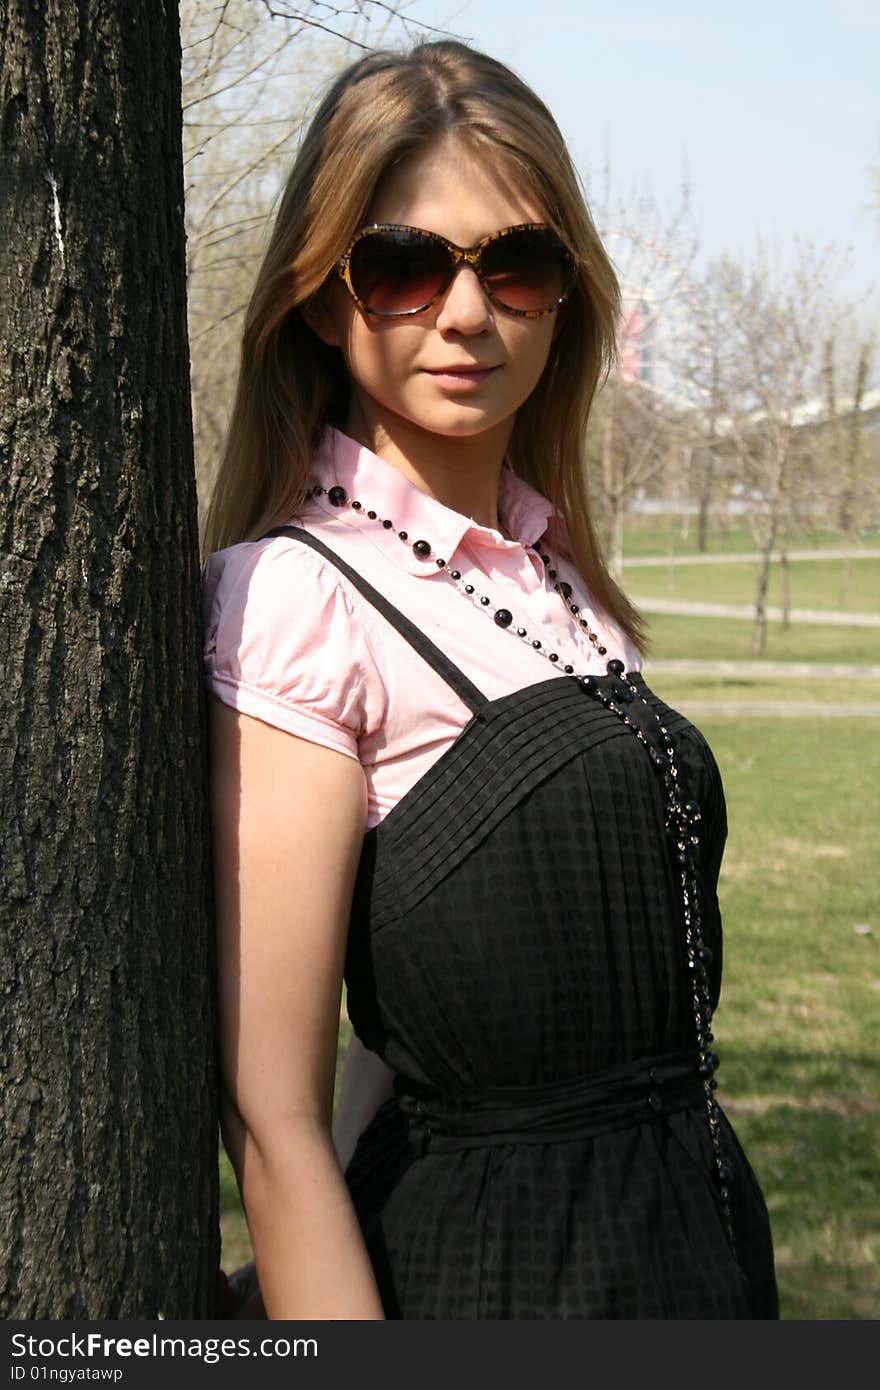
(378, 359)
(530, 348)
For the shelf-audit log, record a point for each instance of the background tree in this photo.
(775, 320)
(108, 1189)
(632, 439)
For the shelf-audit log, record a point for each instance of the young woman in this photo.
(437, 771)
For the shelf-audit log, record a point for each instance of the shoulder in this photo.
(282, 633)
(260, 570)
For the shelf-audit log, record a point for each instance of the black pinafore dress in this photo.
(516, 954)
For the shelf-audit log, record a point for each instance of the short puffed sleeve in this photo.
(284, 641)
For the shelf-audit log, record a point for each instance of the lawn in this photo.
(798, 1027)
(684, 691)
(850, 585)
(671, 536)
(726, 639)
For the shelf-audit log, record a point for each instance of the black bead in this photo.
(603, 651)
(705, 955)
(692, 810)
(484, 601)
(552, 574)
(724, 1172)
(569, 670)
(553, 657)
(357, 505)
(422, 549)
(456, 574)
(615, 667)
(708, 1064)
(371, 515)
(404, 535)
(503, 617)
(566, 589)
(441, 564)
(387, 524)
(546, 559)
(535, 643)
(521, 632)
(469, 588)
(337, 495)
(588, 683)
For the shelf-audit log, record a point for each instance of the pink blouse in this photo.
(289, 640)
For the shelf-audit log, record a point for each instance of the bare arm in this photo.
(288, 822)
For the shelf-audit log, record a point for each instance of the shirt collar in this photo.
(380, 487)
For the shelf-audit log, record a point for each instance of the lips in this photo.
(462, 372)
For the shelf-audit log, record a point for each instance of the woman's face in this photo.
(463, 366)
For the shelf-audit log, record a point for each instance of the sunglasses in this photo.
(392, 270)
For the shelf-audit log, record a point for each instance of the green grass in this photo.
(726, 639)
(665, 536)
(683, 691)
(798, 1026)
(852, 586)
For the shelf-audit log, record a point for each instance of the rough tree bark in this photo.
(108, 1186)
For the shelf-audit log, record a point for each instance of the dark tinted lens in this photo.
(395, 271)
(527, 270)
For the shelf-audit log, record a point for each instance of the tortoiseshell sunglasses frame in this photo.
(471, 254)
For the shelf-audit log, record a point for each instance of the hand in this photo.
(239, 1293)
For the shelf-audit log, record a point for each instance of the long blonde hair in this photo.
(291, 385)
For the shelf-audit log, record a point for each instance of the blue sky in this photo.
(772, 110)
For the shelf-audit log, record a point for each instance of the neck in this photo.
(462, 472)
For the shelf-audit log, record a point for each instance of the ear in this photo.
(319, 314)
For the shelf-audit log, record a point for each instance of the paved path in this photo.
(790, 670)
(747, 557)
(827, 617)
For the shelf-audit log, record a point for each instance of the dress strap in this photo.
(446, 669)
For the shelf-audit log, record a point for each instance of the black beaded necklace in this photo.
(682, 817)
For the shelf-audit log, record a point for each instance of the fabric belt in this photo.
(606, 1100)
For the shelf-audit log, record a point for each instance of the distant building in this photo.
(636, 358)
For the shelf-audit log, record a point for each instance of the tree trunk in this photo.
(759, 633)
(108, 1192)
(785, 586)
(710, 458)
(852, 455)
(705, 500)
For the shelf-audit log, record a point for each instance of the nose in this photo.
(465, 307)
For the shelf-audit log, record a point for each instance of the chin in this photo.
(461, 423)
